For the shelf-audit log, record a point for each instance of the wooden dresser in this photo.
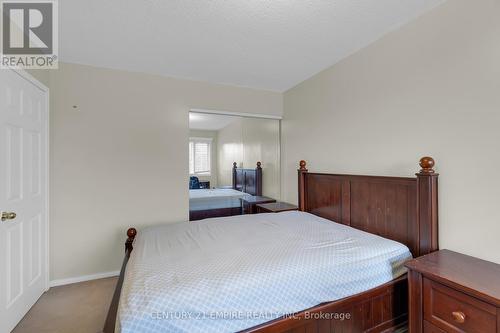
(249, 203)
(275, 207)
(452, 292)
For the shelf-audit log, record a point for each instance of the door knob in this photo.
(8, 216)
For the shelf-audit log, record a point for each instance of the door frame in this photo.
(27, 76)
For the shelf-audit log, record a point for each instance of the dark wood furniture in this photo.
(244, 180)
(249, 204)
(195, 215)
(401, 209)
(452, 292)
(275, 207)
(248, 180)
(204, 184)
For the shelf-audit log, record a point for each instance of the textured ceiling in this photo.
(266, 44)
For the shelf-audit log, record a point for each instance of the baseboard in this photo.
(62, 282)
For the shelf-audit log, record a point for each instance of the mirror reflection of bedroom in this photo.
(233, 164)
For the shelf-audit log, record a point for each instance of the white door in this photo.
(23, 195)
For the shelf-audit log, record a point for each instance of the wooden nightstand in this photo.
(452, 292)
(275, 207)
(248, 203)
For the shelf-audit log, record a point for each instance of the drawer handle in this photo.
(459, 316)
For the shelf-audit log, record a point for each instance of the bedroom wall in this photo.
(42, 75)
(120, 158)
(430, 88)
(213, 154)
(247, 141)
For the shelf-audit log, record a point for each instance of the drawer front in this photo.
(429, 328)
(454, 311)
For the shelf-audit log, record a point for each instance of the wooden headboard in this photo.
(248, 180)
(401, 209)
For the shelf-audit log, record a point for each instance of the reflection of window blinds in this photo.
(199, 156)
(191, 158)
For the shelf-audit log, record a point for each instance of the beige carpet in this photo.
(74, 308)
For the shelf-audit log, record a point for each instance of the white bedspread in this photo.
(228, 274)
(203, 199)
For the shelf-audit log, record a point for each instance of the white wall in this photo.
(213, 154)
(247, 141)
(42, 75)
(430, 88)
(120, 158)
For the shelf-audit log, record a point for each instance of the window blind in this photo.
(199, 156)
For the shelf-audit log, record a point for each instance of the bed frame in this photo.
(244, 180)
(397, 208)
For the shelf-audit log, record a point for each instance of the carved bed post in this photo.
(302, 182)
(235, 166)
(109, 325)
(258, 179)
(128, 243)
(427, 206)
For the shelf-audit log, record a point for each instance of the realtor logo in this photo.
(29, 34)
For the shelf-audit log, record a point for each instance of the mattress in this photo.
(232, 273)
(204, 199)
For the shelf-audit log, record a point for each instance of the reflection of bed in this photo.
(219, 258)
(206, 199)
(205, 203)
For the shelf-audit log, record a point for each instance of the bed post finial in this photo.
(427, 164)
(427, 205)
(131, 232)
(302, 165)
(302, 185)
(258, 179)
(235, 165)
